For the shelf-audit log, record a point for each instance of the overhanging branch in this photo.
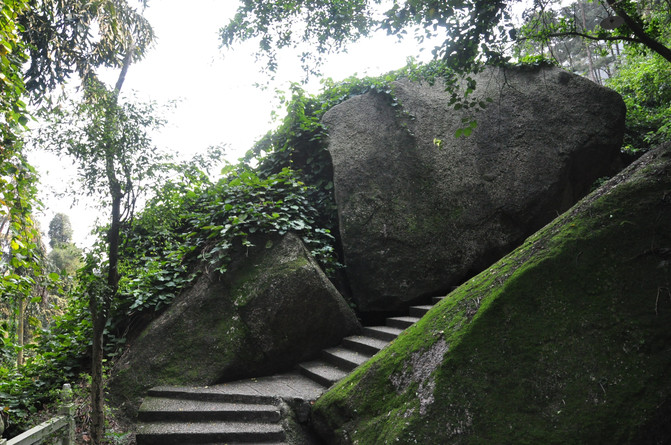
(639, 32)
(596, 38)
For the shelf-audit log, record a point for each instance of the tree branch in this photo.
(124, 69)
(638, 30)
(596, 38)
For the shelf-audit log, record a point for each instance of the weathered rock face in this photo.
(565, 340)
(415, 219)
(272, 309)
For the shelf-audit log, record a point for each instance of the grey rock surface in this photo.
(416, 219)
(271, 310)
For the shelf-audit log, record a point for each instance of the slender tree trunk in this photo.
(569, 57)
(20, 331)
(100, 309)
(97, 385)
(589, 51)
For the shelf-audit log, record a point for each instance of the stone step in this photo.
(248, 443)
(322, 372)
(387, 333)
(344, 358)
(173, 433)
(401, 322)
(364, 344)
(419, 311)
(212, 394)
(155, 409)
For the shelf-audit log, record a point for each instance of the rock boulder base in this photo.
(272, 309)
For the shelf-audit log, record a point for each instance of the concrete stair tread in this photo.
(208, 427)
(366, 344)
(382, 332)
(245, 411)
(345, 358)
(322, 372)
(170, 404)
(264, 390)
(419, 311)
(213, 393)
(402, 322)
(169, 433)
(407, 318)
(155, 409)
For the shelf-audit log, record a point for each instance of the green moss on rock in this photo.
(564, 341)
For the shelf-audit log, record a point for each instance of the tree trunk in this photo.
(592, 74)
(20, 332)
(100, 312)
(97, 383)
(100, 309)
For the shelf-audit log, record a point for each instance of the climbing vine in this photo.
(188, 227)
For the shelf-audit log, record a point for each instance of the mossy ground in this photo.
(566, 340)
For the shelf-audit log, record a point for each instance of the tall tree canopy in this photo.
(60, 230)
(74, 37)
(468, 31)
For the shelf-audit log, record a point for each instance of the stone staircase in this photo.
(335, 363)
(250, 411)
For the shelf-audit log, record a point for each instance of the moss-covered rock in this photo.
(273, 308)
(567, 340)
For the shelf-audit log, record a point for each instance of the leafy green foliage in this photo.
(327, 26)
(555, 35)
(177, 234)
(20, 262)
(12, 57)
(23, 260)
(69, 37)
(55, 359)
(65, 259)
(92, 130)
(644, 81)
(467, 32)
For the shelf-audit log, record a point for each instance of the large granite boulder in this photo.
(416, 219)
(563, 341)
(273, 308)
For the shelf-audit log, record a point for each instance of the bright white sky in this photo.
(219, 103)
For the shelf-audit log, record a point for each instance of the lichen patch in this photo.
(419, 370)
